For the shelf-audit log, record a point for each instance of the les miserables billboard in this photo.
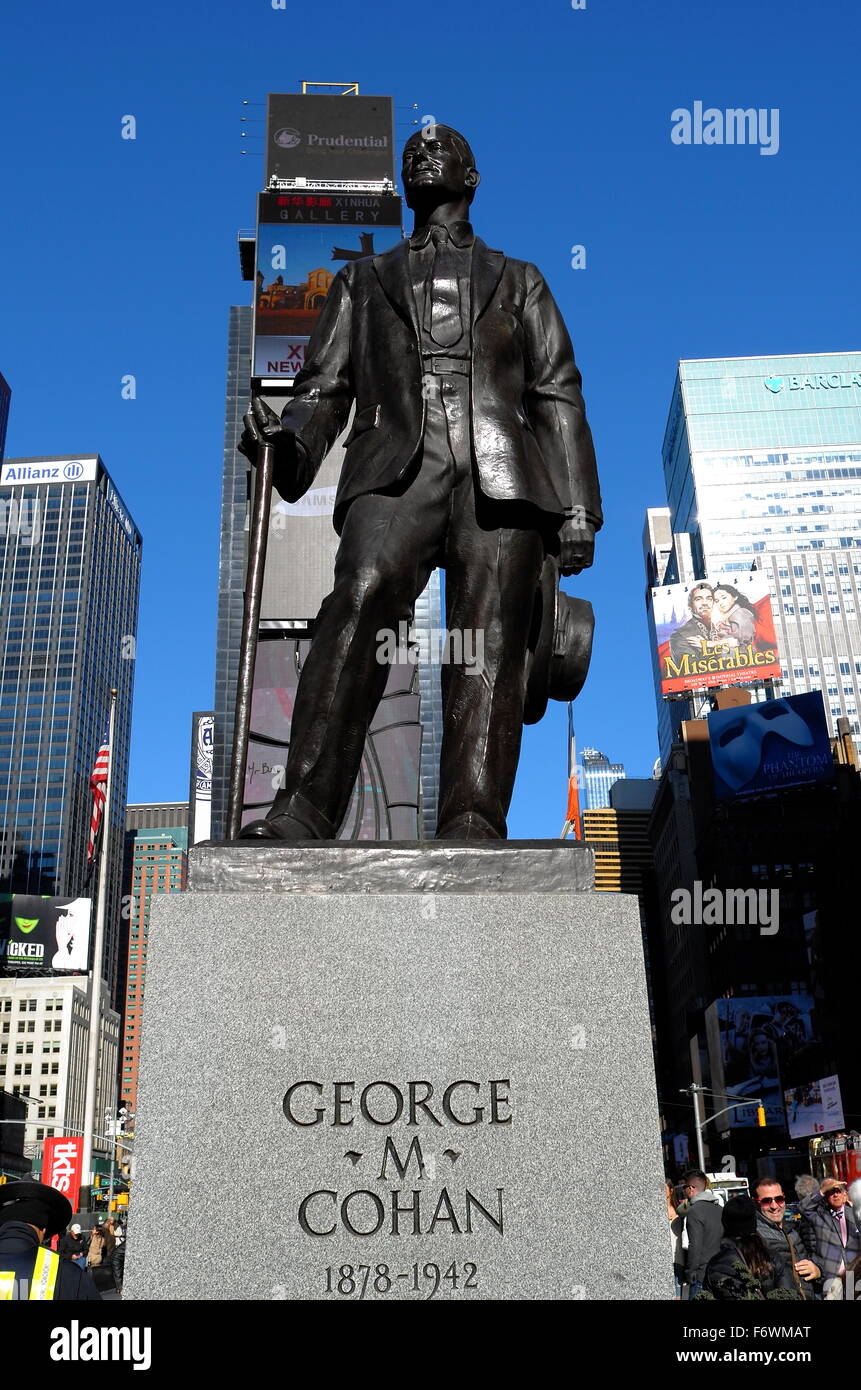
(715, 632)
(41, 934)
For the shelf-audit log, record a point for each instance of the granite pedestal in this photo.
(396, 1072)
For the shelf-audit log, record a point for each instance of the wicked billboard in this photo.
(715, 632)
(41, 934)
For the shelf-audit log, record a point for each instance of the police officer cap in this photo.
(37, 1205)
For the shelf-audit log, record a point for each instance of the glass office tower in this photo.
(762, 460)
(70, 558)
(597, 775)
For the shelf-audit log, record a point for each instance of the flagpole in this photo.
(95, 1025)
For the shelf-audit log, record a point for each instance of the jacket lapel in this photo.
(392, 268)
(393, 273)
(487, 268)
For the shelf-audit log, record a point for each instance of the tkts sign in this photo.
(61, 1167)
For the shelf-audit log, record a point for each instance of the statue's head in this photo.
(438, 164)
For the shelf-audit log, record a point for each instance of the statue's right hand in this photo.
(262, 426)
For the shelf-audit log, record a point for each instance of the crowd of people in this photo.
(87, 1263)
(749, 1248)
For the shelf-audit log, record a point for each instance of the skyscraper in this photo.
(156, 861)
(69, 585)
(597, 776)
(762, 460)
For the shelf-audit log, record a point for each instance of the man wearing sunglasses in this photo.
(831, 1235)
(781, 1236)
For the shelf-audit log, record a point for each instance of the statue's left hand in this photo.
(576, 545)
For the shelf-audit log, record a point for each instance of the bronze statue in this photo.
(469, 450)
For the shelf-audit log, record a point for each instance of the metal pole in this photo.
(257, 539)
(699, 1127)
(95, 1025)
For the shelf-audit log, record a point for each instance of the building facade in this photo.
(597, 775)
(762, 462)
(69, 588)
(156, 861)
(44, 1032)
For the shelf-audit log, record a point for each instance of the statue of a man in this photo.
(469, 450)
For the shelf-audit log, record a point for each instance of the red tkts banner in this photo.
(61, 1166)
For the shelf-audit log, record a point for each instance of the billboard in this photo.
(715, 632)
(762, 748)
(62, 1164)
(200, 790)
(751, 1039)
(339, 138)
(39, 934)
(816, 1108)
(303, 240)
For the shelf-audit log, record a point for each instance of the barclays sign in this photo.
(820, 382)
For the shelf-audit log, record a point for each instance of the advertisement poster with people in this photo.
(816, 1108)
(751, 1040)
(715, 632)
(39, 934)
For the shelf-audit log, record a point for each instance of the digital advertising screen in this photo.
(299, 253)
(715, 632)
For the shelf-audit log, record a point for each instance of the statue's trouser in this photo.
(390, 544)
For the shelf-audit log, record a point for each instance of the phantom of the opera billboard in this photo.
(764, 747)
(715, 632)
(40, 934)
(303, 240)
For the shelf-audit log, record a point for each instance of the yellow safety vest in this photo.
(44, 1279)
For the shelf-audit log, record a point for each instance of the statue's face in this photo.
(433, 161)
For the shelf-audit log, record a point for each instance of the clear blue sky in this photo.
(119, 257)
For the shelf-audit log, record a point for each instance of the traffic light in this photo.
(760, 1116)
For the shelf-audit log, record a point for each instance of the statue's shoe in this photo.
(281, 827)
(469, 826)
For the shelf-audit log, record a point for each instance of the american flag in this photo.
(98, 782)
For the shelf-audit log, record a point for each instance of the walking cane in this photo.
(258, 536)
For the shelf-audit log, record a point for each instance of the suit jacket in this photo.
(821, 1238)
(531, 442)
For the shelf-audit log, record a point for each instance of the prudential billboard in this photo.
(339, 138)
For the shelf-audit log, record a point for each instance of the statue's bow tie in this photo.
(459, 234)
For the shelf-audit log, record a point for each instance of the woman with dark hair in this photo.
(733, 616)
(744, 1268)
